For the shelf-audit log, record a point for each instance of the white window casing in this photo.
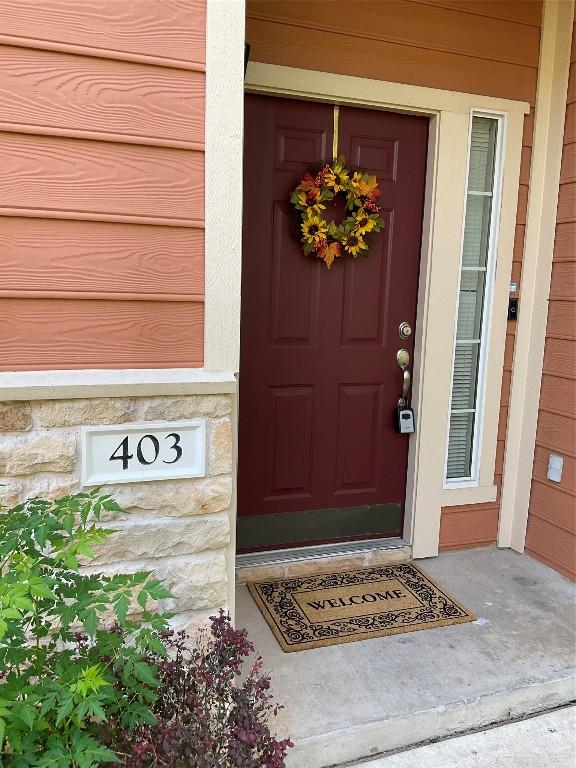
(475, 292)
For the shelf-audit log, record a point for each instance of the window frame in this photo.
(473, 481)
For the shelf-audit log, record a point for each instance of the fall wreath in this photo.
(325, 239)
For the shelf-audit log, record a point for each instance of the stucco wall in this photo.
(551, 533)
(102, 184)
(488, 48)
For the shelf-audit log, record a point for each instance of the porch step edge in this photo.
(380, 738)
(323, 558)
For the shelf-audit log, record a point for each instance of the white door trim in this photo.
(450, 115)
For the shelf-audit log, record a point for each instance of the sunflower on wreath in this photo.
(325, 239)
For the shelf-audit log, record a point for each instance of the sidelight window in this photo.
(476, 278)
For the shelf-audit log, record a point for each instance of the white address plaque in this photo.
(130, 453)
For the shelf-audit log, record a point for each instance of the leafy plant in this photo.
(74, 694)
(205, 717)
(57, 684)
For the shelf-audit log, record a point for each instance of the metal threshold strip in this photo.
(316, 551)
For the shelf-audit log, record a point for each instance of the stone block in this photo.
(114, 569)
(195, 583)
(51, 487)
(68, 413)
(37, 452)
(382, 557)
(220, 447)
(192, 621)
(271, 572)
(38, 487)
(299, 568)
(184, 407)
(174, 498)
(15, 416)
(11, 494)
(139, 539)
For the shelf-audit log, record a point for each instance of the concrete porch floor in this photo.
(351, 701)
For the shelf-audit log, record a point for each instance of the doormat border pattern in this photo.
(295, 632)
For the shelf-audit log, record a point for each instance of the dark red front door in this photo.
(319, 458)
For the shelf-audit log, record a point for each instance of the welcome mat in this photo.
(327, 609)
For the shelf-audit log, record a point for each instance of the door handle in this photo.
(403, 360)
(405, 387)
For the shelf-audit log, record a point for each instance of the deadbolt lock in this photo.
(405, 330)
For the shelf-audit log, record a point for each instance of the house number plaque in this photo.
(139, 452)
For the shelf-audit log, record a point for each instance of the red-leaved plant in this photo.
(209, 712)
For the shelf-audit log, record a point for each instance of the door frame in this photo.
(362, 511)
(450, 115)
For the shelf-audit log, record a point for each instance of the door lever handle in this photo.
(403, 360)
(405, 387)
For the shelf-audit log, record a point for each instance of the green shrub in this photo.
(58, 682)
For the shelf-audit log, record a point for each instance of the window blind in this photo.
(471, 298)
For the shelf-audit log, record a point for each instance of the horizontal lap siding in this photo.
(403, 41)
(523, 12)
(72, 333)
(489, 47)
(50, 257)
(468, 526)
(75, 176)
(551, 534)
(119, 29)
(102, 184)
(118, 100)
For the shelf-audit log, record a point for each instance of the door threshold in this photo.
(320, 558)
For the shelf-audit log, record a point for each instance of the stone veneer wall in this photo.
(180, 529)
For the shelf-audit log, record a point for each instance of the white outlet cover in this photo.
(555, 467)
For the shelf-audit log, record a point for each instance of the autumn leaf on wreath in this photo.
(307, 183)
(332, 252)
(368, 187)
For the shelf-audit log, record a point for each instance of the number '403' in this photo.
(147, 452)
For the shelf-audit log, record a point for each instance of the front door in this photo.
(319, 458)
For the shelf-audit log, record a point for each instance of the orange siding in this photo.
(551, 535)
(468, 526)
(134, 334)
(66, 259)
(488, 47)
(400, 41)
(525, 12)
(119, 29)
(102, 183)
(47, 90)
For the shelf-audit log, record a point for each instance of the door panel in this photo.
(318, 456)
(294, 287)
(289, 434)
(366, 284)
(358, 423)
(378, 154)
